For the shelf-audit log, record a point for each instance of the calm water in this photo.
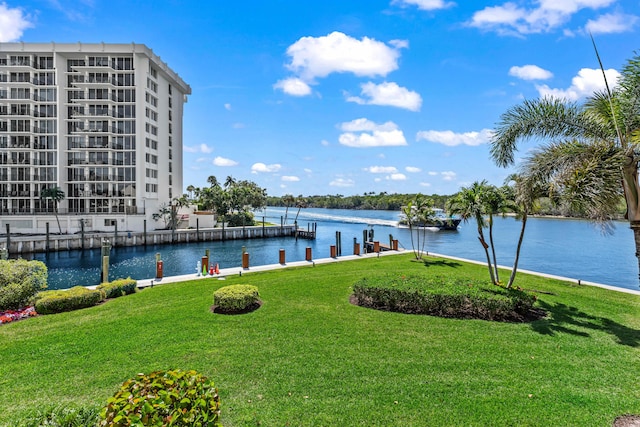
(571, 248)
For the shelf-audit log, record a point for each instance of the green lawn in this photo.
(308, 357)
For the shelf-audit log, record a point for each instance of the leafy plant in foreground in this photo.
(174, 397)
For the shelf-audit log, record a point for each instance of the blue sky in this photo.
(347, 97)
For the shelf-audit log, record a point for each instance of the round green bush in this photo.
(20, 281)
(175, 397)
(235, 298)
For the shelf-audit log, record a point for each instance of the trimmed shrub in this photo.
(174, 397)
(235, 298)
(20, 281)
(444, 297)
(50, 302)
(119, 287)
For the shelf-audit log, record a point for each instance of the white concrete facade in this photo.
(102, 122)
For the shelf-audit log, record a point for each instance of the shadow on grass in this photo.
(570, 320)
(440, 263)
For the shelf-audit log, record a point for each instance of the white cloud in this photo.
(584, 84)
(362, 124)
(325, 143)
(365, 133)
(611, 23)
(512, 19)
(313, 57)
(397, 177)
(412, 169)
(424, 4)
(293, 86)
(374, 139)
(452, 139)
(221, 161)
(425, 184)
(202, 148)
(530, 72)
(433, 173)
(227, 107)
(290, 178)
(261, 167)
(388, 93)
(448, 175)
(381, 169)
(341, 182)
(13, 22)
(399, 44)
(307, 170)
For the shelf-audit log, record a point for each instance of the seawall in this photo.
(20, 244)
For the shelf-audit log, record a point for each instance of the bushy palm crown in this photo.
(589, 150)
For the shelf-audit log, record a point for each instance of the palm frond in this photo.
(584, 176)
(546, 118)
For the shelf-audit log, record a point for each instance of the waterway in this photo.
(571, 248)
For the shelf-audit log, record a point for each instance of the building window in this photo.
(98, 61)
(20, 93)
(122, 63)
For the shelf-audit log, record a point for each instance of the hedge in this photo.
(444, 297)
(58, 301)
(119, 287)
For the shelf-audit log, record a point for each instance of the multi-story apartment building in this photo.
(101, 122)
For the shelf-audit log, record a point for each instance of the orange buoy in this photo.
(217, 270)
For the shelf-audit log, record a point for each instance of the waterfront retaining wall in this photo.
(20, 244)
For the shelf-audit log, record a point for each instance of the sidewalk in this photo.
(239, 271)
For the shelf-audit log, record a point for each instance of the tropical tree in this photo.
(288, 200)
(525, 193)
(190, 190)
(496, 201)
(301, 202)
(56, 195)
(417, 213)
(592, 151)
(469, 203)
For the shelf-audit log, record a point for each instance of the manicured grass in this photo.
(308, 357)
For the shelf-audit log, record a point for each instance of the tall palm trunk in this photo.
(486, 251)
(55, 211)
(493, 249)
(512, 278)
(632, 197)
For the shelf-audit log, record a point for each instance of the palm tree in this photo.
(592, 157)
(408, 215)
(56, 195)
(495, 202)
(417, 213)
(229, 182)
(288, 200)
(190, 190)
(213, 181)
(526, 191)
(469, 203)
(301, 202)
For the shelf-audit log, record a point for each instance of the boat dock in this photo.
(309, 233)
